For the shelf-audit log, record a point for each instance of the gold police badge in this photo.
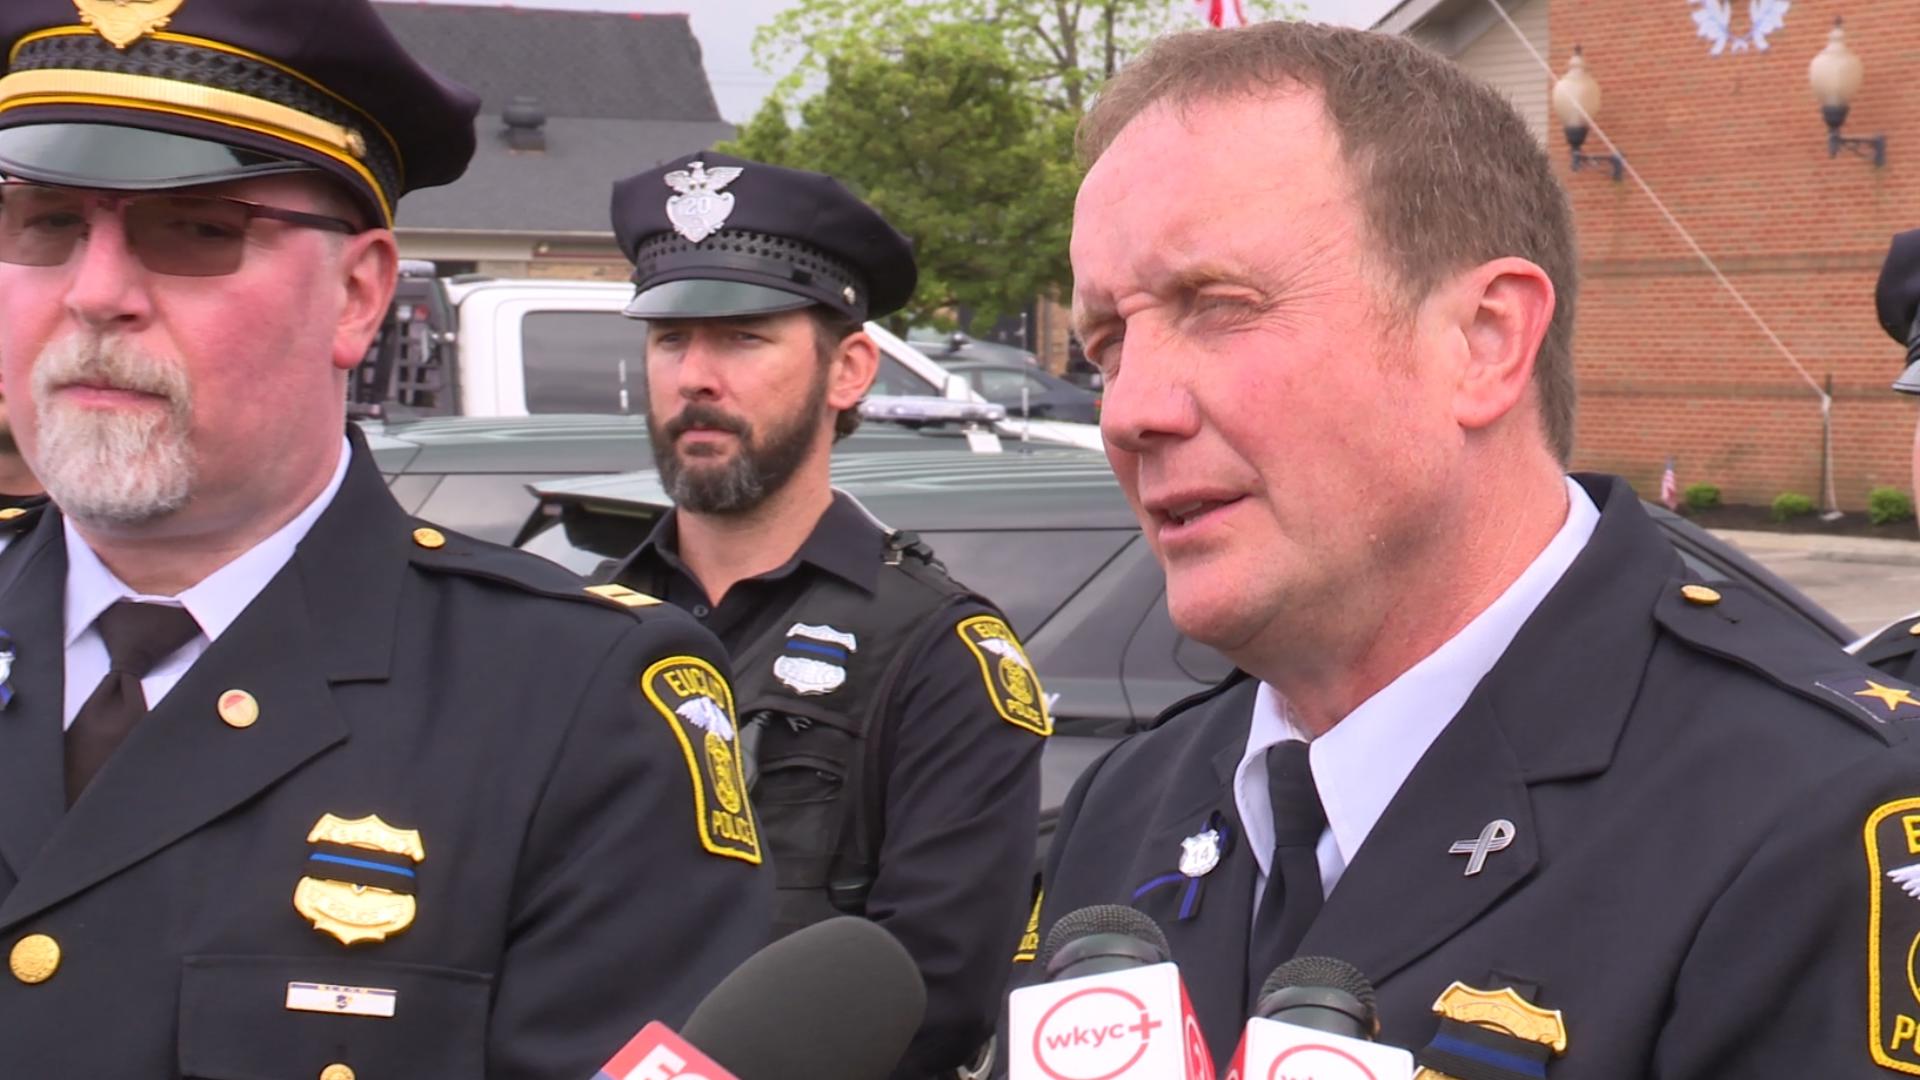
(1893, 935)
(124, 22)
(1012, 684)
(1478, 1025)
(360, 880)
(697, 704)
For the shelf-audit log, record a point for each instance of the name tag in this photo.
(343, 1000)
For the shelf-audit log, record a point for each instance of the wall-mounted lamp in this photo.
(1836, 74)
(1576, 98)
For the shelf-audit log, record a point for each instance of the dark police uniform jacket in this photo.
(470, 695)
(1895, 650)
(1705, 810)
(950, 766)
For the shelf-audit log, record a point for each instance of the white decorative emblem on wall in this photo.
(1713, 21)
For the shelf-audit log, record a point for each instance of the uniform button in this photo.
(430, 539)
(1914, 629)
(336, 1071)
(1700, 594)
(35, 958)
(701, 611)
(239, 709)
(11, 513)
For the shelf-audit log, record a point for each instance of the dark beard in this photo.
(761, 467)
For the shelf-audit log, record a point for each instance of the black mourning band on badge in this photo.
(778, 263)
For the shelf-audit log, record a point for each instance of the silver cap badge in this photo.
(701, 208)
(1200, 853)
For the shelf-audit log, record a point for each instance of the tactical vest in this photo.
(811, 693)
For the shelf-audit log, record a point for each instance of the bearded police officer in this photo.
(292, 785)
(1896, 299)
(898, 719)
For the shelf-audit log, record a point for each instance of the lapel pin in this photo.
(1495, 837)
(1200, 853)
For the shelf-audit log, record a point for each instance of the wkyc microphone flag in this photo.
(659, 1054)
(1272, 1050)
(1121, 1025)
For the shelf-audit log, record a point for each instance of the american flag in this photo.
(1670, 487)
(1222, 13)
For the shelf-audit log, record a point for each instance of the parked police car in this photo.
(1049, 537)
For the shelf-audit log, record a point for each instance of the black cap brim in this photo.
(704, 298)
(128, 159)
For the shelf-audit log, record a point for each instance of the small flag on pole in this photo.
(1670, 487)
(1222, 13)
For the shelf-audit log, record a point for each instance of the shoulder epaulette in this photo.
(1896, 642)
(1730, 621)
(21, 516)
(438, 551)
(1234, 678)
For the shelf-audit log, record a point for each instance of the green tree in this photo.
(940, 136)
(955, 118)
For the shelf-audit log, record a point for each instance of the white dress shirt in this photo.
(215, 602)
(1360, 763)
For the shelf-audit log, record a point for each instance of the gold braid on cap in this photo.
(202, 80)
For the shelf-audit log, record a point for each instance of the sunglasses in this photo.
(179, 235)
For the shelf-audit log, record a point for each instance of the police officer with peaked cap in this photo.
(292, 784)
(898, 720)
(1895, 648)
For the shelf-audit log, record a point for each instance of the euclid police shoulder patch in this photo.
(1893, 935)
(697, 704)
(1012, 684)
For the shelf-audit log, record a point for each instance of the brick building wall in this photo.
(1734, 145)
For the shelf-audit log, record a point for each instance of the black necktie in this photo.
(138, 637)
(1293, 887)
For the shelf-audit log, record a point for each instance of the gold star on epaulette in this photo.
(1892, 697)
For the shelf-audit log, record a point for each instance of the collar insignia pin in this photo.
(701, 208)
(1497, 836)
(1200, 853)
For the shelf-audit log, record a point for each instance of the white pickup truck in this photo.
(497, 347)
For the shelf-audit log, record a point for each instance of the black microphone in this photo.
(1321, 993)
(1102, 939)
(839, 998)
(1316, 1015)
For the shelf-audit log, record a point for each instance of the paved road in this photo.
(1866, 582)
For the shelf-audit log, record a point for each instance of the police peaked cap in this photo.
(711, 236)
(158, 94)
(1896, 299)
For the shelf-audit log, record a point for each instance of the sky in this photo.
(726, 27)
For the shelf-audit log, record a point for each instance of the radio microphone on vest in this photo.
(1315, 1018)
(1112, 1006)
(840, 998)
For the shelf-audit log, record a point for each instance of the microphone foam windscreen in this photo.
(1101, 919)
(1321, 972)
(839, 998)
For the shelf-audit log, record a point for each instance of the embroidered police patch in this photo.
(1893, 935)
(698, 705)
(1012, 684)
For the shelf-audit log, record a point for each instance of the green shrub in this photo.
(1791, 504)
(1889, 504)
(1702, 496)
